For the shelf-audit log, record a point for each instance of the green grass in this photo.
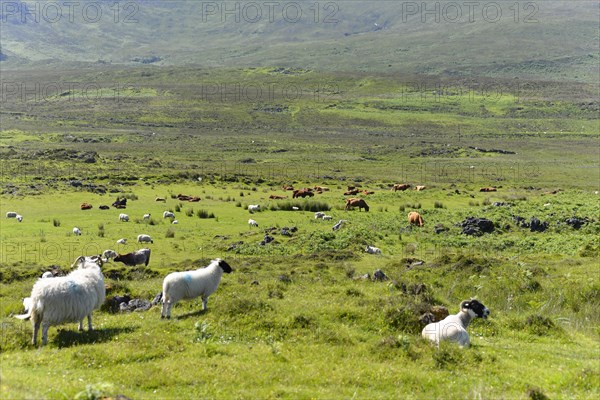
(294, 319)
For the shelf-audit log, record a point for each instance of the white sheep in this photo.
(327, 217)
(124, 217)
(253, 208)
(191, 284)
(67, 299)
(168, 214)
(76, 231)
(27, 300)
(175, 222)
(11, 214)
(338, 225)
(373, 250)
(108, 254)
(319, 215)
(454, 327)
(19, 218)
(122, 241)
(146, 216)
(252, 222)
(144, 239)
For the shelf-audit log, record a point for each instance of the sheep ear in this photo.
(465, 305)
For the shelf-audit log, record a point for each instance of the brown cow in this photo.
(488, 189)
(414, 218)
(288, 187)
(86, 206)
(356, 202)
(321, 188)
(302, 193)
(351, 192)
(419, 188)
(277, 197)
(400, 186)
(368, 192)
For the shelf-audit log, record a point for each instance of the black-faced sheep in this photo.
(191, 284)
(454, 327)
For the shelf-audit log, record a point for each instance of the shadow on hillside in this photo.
(191, 314)
(68, 338)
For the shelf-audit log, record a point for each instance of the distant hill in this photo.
(545, 39)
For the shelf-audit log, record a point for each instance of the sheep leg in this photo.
(36, 328)
(166, 309)
(89, 318)
(204, 303)
(80, 326)
(45, 327)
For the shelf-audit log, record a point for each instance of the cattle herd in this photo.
(56, 300)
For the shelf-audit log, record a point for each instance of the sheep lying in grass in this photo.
(191, 284)
(67, 299)
(454, 327)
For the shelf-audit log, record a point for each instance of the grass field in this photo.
(295, 319)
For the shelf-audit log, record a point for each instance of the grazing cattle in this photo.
(373, 250)
(252, 222)
(419, 188)
(168, 214)
(302, 193)
(123, 217)
(144, 239)
(11, 214)
(414, 218)
(76, 231)
(356, 202)
(400, 186)
(368, 192)
(104, 207)
(351, 192)
(454, 327)
(85, 206)
(120, 203)
(161, 199)
(252, 208)
(287, 187)
(488, 189)
(141, 256)
(321, 188)
(122, 241)
(277, 197)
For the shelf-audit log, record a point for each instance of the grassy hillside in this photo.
(549, 39)
(298, 318)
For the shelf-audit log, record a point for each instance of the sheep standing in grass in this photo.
(67, 299)
(454, 327)
(191, 284)
(144, 239)
(76, 231)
